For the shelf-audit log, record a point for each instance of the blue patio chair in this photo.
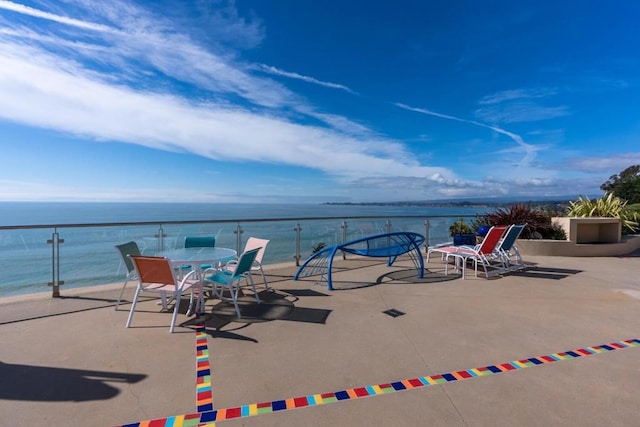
(508, 249)
(229, 278)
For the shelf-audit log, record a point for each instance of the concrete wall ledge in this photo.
(627, 244)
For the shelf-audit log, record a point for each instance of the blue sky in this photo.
(309, 101)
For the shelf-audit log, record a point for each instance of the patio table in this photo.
(196, 257)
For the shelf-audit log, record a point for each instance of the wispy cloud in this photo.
(530, 150)
(519, 106)
(275, 71)
(609, 164)
(102, 95)
(520, 112)
(509, 95)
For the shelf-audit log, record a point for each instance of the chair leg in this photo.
(264, 279)
(122, 292)
(177, 297)
(253, 285)
(198, 300)
(234, 296)
(133, 306)
(191, 308)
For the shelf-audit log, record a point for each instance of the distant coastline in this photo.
(541, 204)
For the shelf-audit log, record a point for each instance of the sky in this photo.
(315, 101)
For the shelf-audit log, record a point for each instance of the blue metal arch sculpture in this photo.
(388, 245)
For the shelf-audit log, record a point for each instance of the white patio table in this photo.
(197, 257)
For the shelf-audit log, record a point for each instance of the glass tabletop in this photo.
(199, 255)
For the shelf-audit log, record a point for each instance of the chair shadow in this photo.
(274, 305)
(64, 310)
(411, 276)
(45, 383)
(538, 272)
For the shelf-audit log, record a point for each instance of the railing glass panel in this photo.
(78, 255)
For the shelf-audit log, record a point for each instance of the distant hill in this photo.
(557, 204)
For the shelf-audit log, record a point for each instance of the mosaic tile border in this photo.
(204, 392)
(207, 418)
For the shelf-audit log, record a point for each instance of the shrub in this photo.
(538, 222)
(608, 206)
(460, 227)
(317, 248)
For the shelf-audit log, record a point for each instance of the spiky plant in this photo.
(608, 206)
(538, 222)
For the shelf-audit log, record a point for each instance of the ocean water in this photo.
(88, 256)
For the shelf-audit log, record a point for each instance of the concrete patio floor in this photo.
(71, 362)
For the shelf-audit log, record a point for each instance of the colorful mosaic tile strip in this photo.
(209, 417)
(204, 393)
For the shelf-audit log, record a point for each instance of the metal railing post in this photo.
(426, 234)
(387, 227)
(55, 263)
(238, 232)
(297, 229)
(160, 238)
(344, 236)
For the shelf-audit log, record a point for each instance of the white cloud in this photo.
(520, 112)
(516, 106)
(38, 93)
(509, 95)
(609, 164)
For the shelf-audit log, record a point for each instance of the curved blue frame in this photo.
(387, 245)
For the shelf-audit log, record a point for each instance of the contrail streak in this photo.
(529, 149)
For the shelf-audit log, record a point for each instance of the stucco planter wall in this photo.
(545, 247)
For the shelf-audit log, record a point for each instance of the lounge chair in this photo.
(485, 253)
(508, 249)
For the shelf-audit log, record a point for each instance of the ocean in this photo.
(88, 256)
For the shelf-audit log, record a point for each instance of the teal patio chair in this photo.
(199, 242)
(126, 249)
(253, 243)
(229, 279)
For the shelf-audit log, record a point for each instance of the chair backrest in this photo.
(253, 243)
(245, 262)
(126, 249)
(199, 242)
(511, 236)
(491, 240)
(153, 269)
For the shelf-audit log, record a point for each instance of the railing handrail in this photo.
(214, 221)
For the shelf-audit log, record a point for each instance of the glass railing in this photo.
(37, 258)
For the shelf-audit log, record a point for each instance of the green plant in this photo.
(318, 247)
(538, 222)
(608, 206)
(460, 227)
(625, 185)
(557, 232)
